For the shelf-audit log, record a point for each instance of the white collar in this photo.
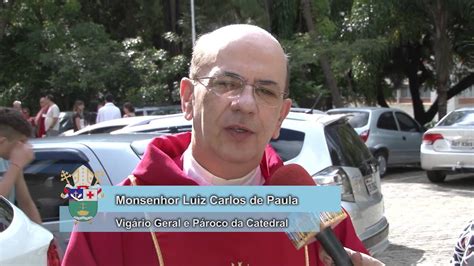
(204, 178)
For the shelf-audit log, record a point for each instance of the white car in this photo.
(173, 123)
(112, 125)
(332, 152)
(449, 146)
(22, 241)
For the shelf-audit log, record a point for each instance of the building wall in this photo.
(403, 100)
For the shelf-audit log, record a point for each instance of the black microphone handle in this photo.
(333, 247)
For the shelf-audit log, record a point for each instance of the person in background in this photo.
(14, 133)
(464, 248)
(51, 120)
(39, 118)
(109, 111)
(31, 120)
(17, 106)
(128, 110)
(78, 116)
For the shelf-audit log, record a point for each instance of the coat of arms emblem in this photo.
(83, 193)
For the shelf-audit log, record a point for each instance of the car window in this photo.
(43, 178)
(345, 146)
(6, 215)
(406, 123)
(289, 143)
(459, 118)
(387, 121)
(356, 119)
(65, 122)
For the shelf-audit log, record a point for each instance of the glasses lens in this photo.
(226, 86)
(268, 94)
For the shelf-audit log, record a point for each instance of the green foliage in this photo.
(283, 15)
(158, 71)
(140, 49)
(306, 77)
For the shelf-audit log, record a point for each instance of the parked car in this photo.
(326, 146)
(24, 242)
(174, 123)
(448, 147)
(305, 110)
(111, 125)
(158, 110)
(65, 121)
(392, 135)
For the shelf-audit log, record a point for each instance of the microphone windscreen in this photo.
(291, 175)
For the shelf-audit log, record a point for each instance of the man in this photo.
(17, 106)
(14, 132)
(236, 96)
(109, 111)
(51, 120)
(39, 118)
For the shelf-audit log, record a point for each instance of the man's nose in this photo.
(247, 102)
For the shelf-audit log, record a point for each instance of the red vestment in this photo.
(162, 165)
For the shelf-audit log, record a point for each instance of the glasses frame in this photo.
(283, 95)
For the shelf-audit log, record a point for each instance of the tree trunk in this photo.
(4, 8)
(442, 48)
(268, 14)
(323, 59)
(462, 85)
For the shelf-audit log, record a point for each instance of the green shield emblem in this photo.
(83, 210)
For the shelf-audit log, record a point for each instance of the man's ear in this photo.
(285, 109)
(186, 89)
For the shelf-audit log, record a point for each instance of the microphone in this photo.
(296, 175)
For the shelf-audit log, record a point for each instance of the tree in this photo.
(410, 35)
(323, 59)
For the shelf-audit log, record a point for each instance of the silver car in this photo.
(392, 135)
(448, 147)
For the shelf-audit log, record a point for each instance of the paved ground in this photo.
(425, 218)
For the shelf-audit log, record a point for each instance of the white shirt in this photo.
(53, 112)
(204, 178)
(108, 112)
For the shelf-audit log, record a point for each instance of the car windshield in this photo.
(345, 147)
(459, 118)
(356, 119)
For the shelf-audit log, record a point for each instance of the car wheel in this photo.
(382, 161)
(436, 176)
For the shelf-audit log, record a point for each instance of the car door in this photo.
(387, 135)
(412, 135)
(46, 182)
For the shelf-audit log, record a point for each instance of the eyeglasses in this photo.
(231, 87)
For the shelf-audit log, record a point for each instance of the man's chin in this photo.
(239, 155)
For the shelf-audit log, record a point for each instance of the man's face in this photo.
(8, 144)
(236, 131)
(43, 102)
(17, 106)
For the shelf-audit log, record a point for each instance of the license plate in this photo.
(463, 144)
(371, 186)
